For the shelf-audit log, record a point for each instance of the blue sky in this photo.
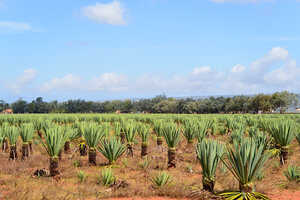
(116, 49)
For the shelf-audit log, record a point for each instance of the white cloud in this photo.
(109, 82)
(201, 70)
(14, 26)
(272, 72)
(285, 75)
(23, 81)
(238, 68)
(105, 13)
(68, 82)
(276, 54)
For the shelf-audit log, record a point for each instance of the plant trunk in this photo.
(159, 141)
(92, 156)
(283, 155)
(171, 158)
(30, 147)
(5, 145)
(122, 135)
(144, 151)
(53, 168)
(60, 155)
(40, 134)
(13, 154)
(25, 151)
(190, 142)
(190, 146)
(67, 147)
(129, 150)
(246, 187)
(208, 185)
(82, 149)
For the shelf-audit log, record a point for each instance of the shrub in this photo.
(245, 161)
(209, 153)
(111, 149)
(81, 176)
(107, 177)
(162, 179)
(293, 173)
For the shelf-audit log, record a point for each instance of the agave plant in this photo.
(298, 137)
(144, 132)
(111, 149)
(117, 129)
(82, 143)
(261, 139)
(3, 133)
(202, 130)
(26, 133)
(252, 131)
(190, 131)
(162, 179)
(283, 134)
(53, 142)
(13, 135)
(158, 126)
(293, 173)
(130, 133)
(120, 129)
(209, 153)
(237, 134)
(171, 134)
(38, 126)
(1, 138)
(93, 134)
(245, 161)
(107, 177)
(229, 124)
(72, 135)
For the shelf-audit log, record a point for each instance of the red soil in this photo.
(280, 195)
(285, 195)
(140, 198)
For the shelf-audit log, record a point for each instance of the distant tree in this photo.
(262, 103)
(165, 106)
(40, 106)
(282, 100)
(127, 106)
(19, 106)
(3, 105)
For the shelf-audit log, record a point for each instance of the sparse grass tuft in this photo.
(162, 179)
(293, 173)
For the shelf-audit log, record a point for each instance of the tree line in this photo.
(279, 101)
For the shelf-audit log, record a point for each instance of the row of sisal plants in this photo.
(252, 141)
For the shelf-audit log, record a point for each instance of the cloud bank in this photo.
(274, 71)
(23, 81)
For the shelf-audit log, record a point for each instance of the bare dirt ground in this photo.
(285, 195)
(17, 181)
(141, 198)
